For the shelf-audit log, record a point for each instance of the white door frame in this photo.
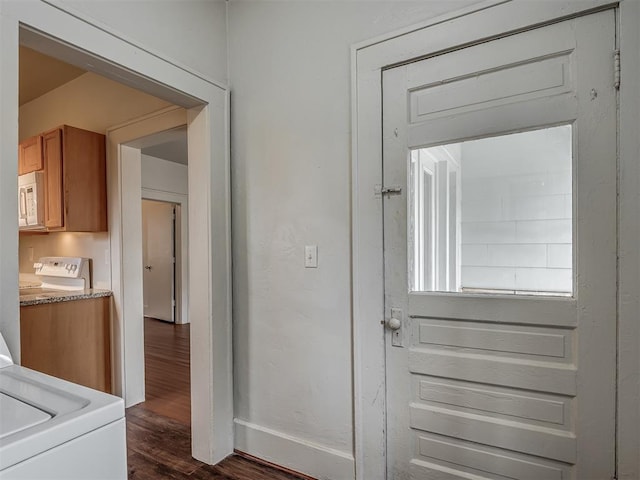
(486, 20)
(124, 171)
(77, 39)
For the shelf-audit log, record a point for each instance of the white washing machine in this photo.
(53, 429)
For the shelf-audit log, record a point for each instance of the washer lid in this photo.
(16, 415)
(75, 411)
(5, 355)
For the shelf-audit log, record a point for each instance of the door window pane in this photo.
(493, 215)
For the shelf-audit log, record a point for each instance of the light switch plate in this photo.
(311, 256)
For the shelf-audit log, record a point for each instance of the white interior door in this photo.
(158, 254)
(500, 258)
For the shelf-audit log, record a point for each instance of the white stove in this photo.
(63, 273)
(57, 273)
(54, 429)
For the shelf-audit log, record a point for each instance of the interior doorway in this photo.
(162, 159)
(150, 178)
(78, 41)
(159, 260)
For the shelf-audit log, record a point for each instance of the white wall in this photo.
(516, 212)
(165, 176)
(192, 33)
(290, 76)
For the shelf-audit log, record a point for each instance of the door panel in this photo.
(508, 382)
(158, 235)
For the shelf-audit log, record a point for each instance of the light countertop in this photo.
(39, 296)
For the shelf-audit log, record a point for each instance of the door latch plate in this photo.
(397, 336)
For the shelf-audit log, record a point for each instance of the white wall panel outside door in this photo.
(491, 385)
(158, 245)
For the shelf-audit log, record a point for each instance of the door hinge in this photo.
(173, 302)
(616, 69)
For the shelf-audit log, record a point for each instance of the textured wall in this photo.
(291, 142)
(192, 33)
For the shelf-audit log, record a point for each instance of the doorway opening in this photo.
(167, 346)
(204, 105)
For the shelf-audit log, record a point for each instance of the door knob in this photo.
(147, 267)
(393, 323)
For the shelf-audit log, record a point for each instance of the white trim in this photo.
(292, 452)
(446, 17)
(80, 42)
(473, 24)
(171, 109)
(629, 245)
(69, 9)
(124, 187)
(182, 247)
(125, 175)
(163, 195)
(210, 277)
(63, 36)
(9, 300)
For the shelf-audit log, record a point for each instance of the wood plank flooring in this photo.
(158, 430)
(166, 369)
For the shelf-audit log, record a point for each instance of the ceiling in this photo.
(167, 145)
(39, 74)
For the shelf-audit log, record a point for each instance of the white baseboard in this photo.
(312, 459)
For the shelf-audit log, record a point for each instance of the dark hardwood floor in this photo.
(166, 369)
(158, 430)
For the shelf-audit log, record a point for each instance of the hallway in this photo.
(158, 430)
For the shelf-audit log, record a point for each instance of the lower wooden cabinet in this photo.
(69, 340)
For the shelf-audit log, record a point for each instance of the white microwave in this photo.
(31, 201)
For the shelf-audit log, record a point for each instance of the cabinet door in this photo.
(54, 204)
(69, 340)
(85, 185)
(30, 155)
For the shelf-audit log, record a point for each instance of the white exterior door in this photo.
(500, 258)
(158, 240)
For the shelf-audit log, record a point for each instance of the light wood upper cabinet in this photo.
(75, 180)
(30, 155)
